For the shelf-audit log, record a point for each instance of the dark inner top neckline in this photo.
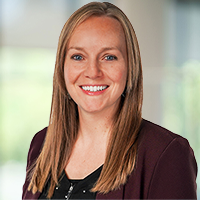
(74, 188)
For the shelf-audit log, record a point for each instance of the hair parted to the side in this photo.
(64, 121)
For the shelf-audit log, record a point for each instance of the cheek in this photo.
(70, 75)
(119, 75)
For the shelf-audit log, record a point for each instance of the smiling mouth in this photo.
(94, 88)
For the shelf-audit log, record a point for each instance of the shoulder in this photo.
(36, 146)
(39, 137)
(34, 151)
(157, 138)
(168, 162)
(156, 141)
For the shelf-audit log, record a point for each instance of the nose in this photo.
(93, 70)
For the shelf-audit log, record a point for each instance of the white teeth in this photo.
(94, 88)
(91, 88)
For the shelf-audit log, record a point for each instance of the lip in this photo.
(98, 89)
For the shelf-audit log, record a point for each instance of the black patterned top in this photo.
(74, 189)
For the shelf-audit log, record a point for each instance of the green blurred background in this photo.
(169, 36)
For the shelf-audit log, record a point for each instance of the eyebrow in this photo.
(76, 48)
(102, 49)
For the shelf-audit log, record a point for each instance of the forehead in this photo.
(101, 21)
(99, 27)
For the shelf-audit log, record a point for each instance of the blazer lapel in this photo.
(116, 194)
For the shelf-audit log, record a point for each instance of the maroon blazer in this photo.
(165, 168)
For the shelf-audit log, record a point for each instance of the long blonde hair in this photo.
(64, 121)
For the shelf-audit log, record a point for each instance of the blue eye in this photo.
(77, 57)
(110, 57)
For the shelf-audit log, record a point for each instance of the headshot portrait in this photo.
(105, 100)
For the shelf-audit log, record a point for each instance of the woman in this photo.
(97, 146)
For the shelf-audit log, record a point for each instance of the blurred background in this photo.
(168, 32)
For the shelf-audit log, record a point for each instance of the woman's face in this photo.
(95, 68)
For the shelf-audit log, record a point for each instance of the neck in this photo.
(95, 126)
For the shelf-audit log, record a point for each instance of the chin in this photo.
(90, 108)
